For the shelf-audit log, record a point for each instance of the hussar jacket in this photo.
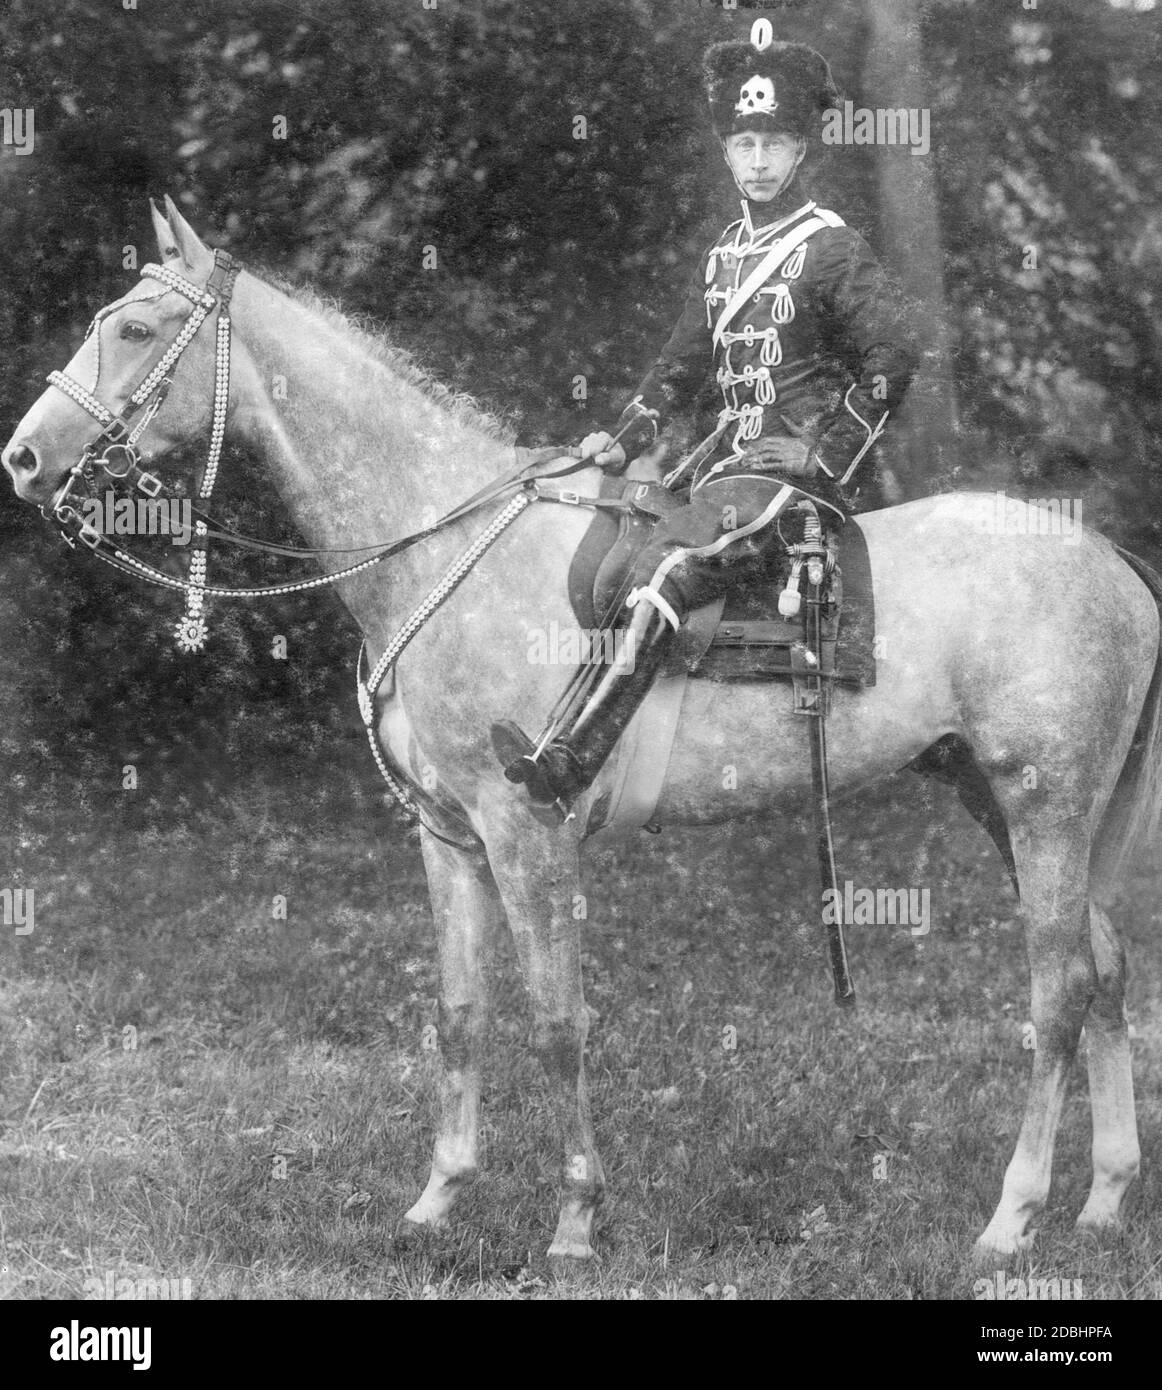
(817, 346)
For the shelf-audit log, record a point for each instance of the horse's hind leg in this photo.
(1111, 1086)
(466, 908)
(1052, 866)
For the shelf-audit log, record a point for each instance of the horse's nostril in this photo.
(20, 459)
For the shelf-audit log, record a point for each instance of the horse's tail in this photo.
(1132, 818)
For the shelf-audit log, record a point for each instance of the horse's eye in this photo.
(136, 332)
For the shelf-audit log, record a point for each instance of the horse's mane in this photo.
(371, 339)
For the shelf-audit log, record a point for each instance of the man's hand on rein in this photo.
(597, 447)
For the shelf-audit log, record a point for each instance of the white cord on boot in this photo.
(652, 596)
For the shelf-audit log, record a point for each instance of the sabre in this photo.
(813, 703)
(821, 792)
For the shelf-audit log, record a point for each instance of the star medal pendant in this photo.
(190, 633)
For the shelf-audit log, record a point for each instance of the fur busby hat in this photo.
(767, 85)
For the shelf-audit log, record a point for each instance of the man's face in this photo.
(762, 161)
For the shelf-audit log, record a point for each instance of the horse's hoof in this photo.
(996, 1252)
(571, 1250)
(1100, 1223)
(411, 1232)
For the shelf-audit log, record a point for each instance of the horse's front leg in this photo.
(1052, 868)
(536, 871)
(1116, 1154)
(466, 908)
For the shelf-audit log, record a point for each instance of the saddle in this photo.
(742, 636)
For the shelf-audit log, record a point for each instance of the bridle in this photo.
(115, 451)
(115, 448)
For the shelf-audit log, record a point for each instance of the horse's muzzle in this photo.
(24, 468)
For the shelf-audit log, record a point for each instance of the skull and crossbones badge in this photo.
(757, 97)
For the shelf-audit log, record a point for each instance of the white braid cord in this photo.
(450, 581)
(82, 396)
(191, 631)
(165, 581)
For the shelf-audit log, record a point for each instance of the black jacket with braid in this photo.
(821, 349)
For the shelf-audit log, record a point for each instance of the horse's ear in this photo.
(198, 257)
(166, 241)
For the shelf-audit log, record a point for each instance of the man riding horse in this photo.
(811, 354)
(991, 673)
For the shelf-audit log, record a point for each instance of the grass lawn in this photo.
(195, 1091)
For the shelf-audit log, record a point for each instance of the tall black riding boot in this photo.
(575, 755)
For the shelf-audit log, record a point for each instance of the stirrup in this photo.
(515, 750)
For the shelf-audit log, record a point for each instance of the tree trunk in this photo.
(923, 449)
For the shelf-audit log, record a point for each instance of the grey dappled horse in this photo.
(1030, 652)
